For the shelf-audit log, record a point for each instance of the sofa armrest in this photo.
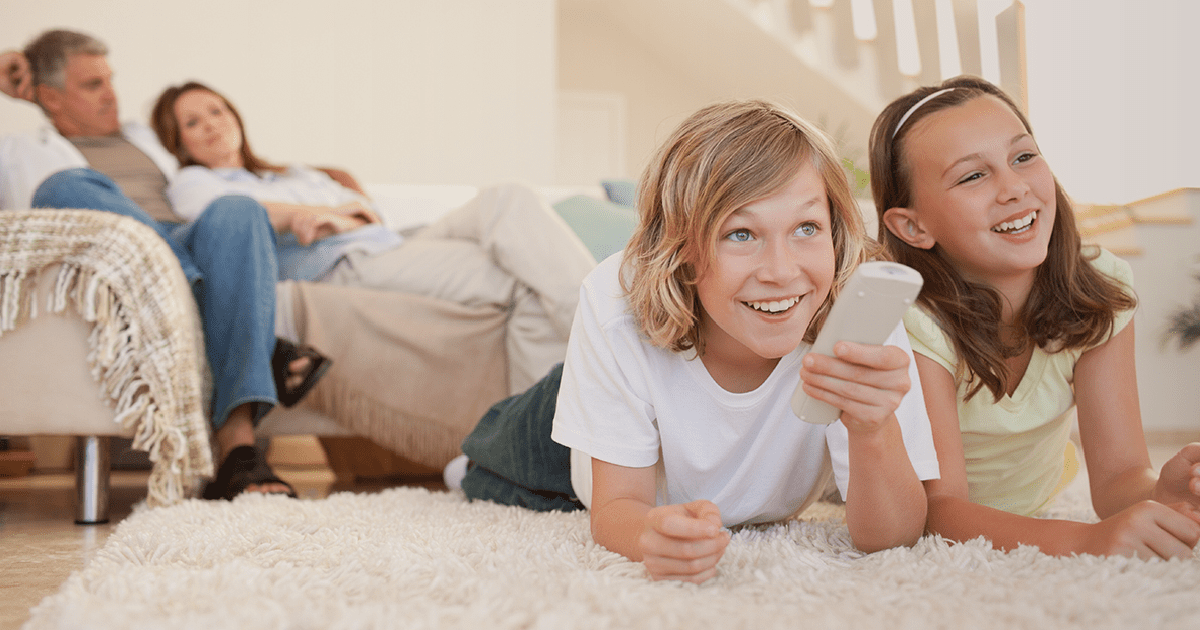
(145, 348)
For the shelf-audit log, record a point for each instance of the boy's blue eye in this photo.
(808, 229)
(739, 236)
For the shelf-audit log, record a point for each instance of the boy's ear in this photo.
(904, 225)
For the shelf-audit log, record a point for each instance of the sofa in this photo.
(99, 337)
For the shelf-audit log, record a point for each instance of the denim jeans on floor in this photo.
(512, 458)
(228, 256)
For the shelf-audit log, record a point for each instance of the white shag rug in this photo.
(410, 558)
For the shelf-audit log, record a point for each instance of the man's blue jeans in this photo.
(228, 256)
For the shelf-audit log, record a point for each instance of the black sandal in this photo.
(244, 466)
(285, 353)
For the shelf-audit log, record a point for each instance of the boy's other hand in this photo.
(683, 541)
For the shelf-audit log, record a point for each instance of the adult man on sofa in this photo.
(89, 160)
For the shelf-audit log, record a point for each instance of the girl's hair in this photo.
(1072, 305)
(721, 158)
(166, 125)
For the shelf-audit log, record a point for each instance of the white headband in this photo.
(915, 107)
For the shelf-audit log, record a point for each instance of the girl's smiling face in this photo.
(982, 191)
(208, 130)
(773, 267)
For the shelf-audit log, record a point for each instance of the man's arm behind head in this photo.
(16, 79)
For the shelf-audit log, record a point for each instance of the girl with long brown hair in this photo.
(1017, 326)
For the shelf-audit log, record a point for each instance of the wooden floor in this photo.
(40, 545)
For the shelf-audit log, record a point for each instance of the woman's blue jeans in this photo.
(228, 257)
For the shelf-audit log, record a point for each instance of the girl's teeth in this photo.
(1012, 226)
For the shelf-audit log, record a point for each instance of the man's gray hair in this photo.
(48, 54)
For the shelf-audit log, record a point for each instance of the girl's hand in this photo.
(1147, 529)
(866, 382)
(1179, 481)
(683, 541)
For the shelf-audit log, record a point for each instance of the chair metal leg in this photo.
(91, 479)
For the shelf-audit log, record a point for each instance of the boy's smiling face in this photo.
(773, 268)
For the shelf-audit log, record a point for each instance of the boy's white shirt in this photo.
(28, 158)
(632, 404)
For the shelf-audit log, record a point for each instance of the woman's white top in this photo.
(195, 187)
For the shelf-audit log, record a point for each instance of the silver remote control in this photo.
(868, 309)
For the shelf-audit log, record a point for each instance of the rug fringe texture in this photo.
(411, 558)
(147, 359)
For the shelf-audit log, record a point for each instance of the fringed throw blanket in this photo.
(145, 348)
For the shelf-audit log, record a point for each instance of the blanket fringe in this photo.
(114, 276)
(427, 441)
(14, 297)
(114, 349)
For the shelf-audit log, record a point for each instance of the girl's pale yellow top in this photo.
(1018, 450)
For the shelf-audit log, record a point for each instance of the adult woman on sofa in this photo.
(505, 247)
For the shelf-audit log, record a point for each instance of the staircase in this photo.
(877, 50)
(646, 63)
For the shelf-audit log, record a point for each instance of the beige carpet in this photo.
(408, 558)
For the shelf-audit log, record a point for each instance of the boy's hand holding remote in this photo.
(848, 368)
(865, 382)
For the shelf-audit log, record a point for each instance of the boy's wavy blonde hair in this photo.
(721, 158)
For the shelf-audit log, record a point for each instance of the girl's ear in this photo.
(904, 225)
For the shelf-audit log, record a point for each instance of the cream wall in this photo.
(427, 91)
(594, 54)
(1113, 89)
(1165, 280)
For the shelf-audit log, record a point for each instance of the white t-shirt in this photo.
(629, 403)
